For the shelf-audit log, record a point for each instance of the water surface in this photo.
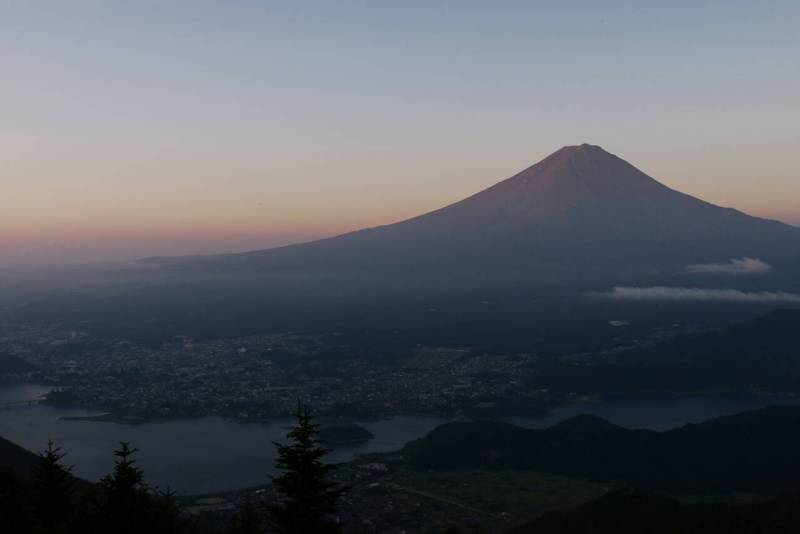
(212, 454)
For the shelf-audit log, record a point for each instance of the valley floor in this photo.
(383, 496)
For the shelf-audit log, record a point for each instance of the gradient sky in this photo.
(172, 127)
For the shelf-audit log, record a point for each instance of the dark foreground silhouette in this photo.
(40, 495)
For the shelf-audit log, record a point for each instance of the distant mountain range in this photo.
(751, 451)
(580, 212)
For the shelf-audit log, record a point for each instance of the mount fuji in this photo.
(580, 213)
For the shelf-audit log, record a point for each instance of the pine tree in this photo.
(307, 498)
(52, 487)
(125, 499)
(124, 504)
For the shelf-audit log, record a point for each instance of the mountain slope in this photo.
(753, 451)
(15, 457)
(756, 355)
(579, 210)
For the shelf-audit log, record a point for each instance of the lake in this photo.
(211, 454)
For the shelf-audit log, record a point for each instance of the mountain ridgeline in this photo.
(579, 213)
(751, 451)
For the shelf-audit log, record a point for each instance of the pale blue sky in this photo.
(143, 127)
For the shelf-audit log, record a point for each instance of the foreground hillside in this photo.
(15, 458)
(752, 451)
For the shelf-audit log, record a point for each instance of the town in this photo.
(258, 377)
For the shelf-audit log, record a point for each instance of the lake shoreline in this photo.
(543, 415)
(205, 455)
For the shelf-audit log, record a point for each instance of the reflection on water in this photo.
(211, 454)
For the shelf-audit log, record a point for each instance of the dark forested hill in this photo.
(763, 354)
(754, 451)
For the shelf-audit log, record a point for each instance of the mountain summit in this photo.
(578, 213)
(568, 179)
(582, 172)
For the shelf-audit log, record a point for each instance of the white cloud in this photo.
(735, 266)
(697, 294)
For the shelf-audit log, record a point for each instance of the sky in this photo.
(130, 129)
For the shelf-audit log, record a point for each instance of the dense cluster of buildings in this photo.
(264, 376)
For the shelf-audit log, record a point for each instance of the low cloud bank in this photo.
(697, 294)
(735, 266)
